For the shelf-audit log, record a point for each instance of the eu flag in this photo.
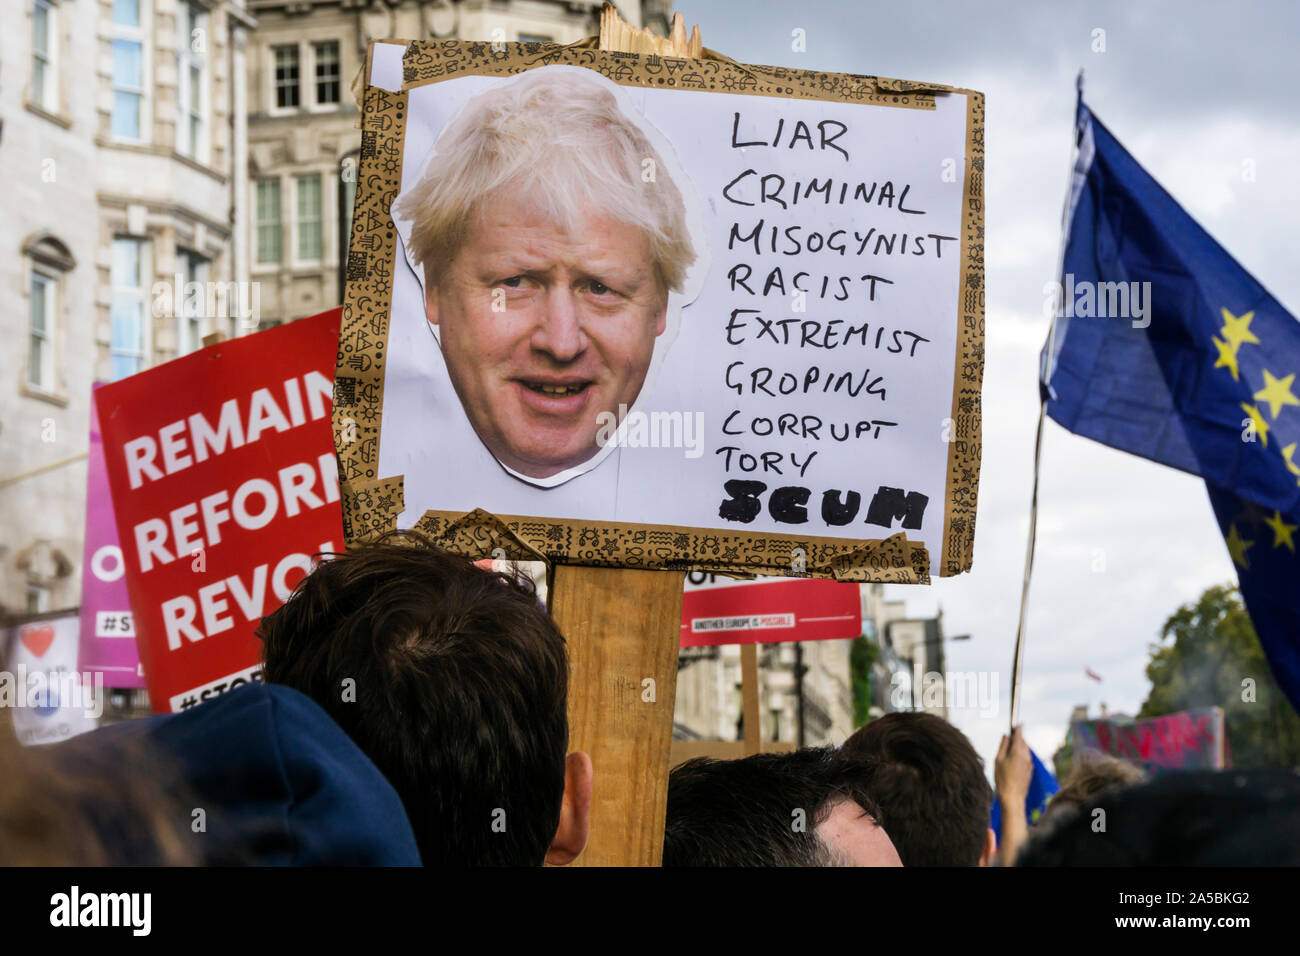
(1042, 787)
(1165, 347)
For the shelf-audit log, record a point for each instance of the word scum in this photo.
(789, 505)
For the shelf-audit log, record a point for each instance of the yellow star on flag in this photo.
(1227, 357)
(1288, 453)
(1277, 392)
(1236, 329)
(1257, 419)
(1281, 531)
(1237, 547)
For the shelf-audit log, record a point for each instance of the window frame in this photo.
(200, 264)
(140, 35)
(46, 97)
(142, 293)
(300, 261)
(273, 85)
(187, 59)
(51, 292)
(259, 264)
(316, 103)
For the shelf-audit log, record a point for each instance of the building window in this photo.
(128, 118)
(128, 312)
(308, 218)
(191, 81)
(189, 323)
(326, 56)
(268, 221)
(47, 263)
(45, 44)
(286, 77)
(42, 316)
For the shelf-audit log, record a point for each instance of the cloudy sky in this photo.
(1199, 93)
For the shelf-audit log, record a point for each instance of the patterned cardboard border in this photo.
(371, 504)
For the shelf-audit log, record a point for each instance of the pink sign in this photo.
(107, 625)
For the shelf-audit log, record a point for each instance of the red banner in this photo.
(720, 610)
(224, 486)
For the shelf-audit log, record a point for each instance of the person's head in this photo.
(116, 803)
(1091, 775)
(930, 785)
(549, 235)
(453, 680)
(805, 808)
(1181, 818)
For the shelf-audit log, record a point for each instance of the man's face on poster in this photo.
(542, 329)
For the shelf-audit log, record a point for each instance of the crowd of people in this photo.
(413, 711)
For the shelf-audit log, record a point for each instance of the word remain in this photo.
(192, 440)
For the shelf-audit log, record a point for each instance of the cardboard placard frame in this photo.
(372, 502)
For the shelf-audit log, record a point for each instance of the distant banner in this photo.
(1187, 740)
(720, 610)
(107, 627)
(41, 686)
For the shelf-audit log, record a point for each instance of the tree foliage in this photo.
(862, 654)
(1208, 655)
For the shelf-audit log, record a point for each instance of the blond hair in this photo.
(559, 140)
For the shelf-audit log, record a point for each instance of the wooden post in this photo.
(623, 630)
(749, 698)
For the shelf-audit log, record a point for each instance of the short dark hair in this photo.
(930, 784)
(1181, 818)
(461, 682)
(744, 812)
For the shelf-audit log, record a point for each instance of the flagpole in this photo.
(1018, 658)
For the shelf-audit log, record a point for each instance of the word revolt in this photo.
(179, 613)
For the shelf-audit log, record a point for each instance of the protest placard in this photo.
(107, 628)
(224, 488)
(720, 610)
(1186, 740)
(639, 311)
(50, 697)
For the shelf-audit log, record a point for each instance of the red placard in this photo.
(224, 486)
(768, 610)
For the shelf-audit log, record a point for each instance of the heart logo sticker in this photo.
(37, 638)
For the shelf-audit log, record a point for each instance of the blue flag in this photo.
(1165, 347)
(1041, 788)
